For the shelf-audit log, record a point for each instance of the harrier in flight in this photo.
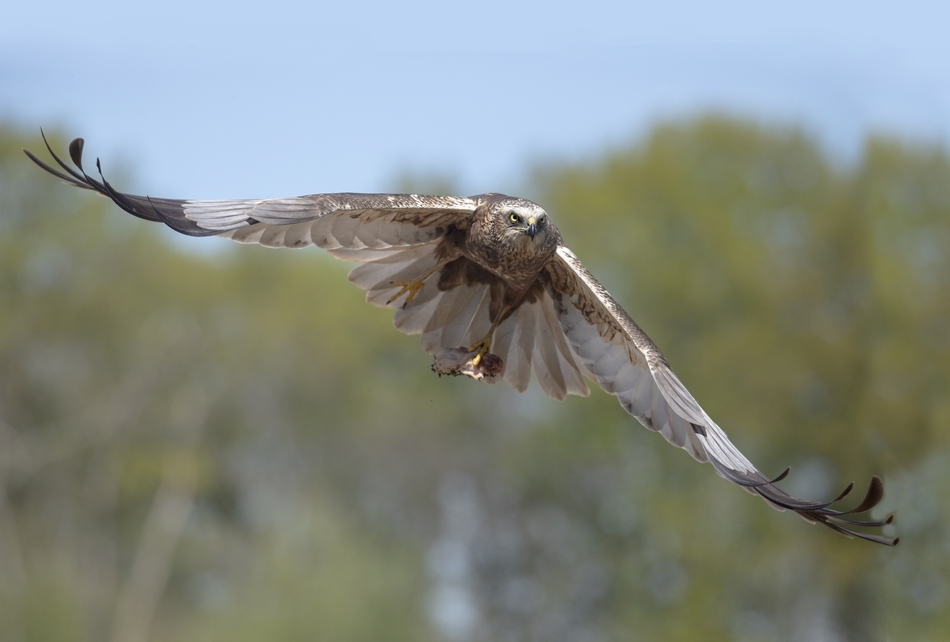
(489, 284)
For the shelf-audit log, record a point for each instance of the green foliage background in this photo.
(232, 445)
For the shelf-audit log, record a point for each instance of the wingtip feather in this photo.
(75, 152)
(167, 211)
(834, 519)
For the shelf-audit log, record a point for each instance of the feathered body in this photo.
(495, 249)
(496, 240)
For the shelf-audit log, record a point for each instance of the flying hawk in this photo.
(489, 284)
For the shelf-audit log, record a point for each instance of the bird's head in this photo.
(524, 224)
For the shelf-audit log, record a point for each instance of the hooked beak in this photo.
(532, 227)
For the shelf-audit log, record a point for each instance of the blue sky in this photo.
(209, 100)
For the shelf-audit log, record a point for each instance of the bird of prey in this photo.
(489, 284)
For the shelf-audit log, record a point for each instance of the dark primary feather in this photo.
(566, 325)
(162, 210)
(818, 512)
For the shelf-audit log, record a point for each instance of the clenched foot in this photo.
(473, 363)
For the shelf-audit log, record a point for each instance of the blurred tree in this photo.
(235, 446)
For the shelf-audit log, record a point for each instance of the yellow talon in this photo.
(412, 287)
(482, 346)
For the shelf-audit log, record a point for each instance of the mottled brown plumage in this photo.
(471, 274)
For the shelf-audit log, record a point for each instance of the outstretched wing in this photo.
(626, 363)
(397, 239)
(331, 221)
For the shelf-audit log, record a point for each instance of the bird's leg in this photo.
(412, 287)
(483, 345)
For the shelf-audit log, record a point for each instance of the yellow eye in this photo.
(514, 218)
